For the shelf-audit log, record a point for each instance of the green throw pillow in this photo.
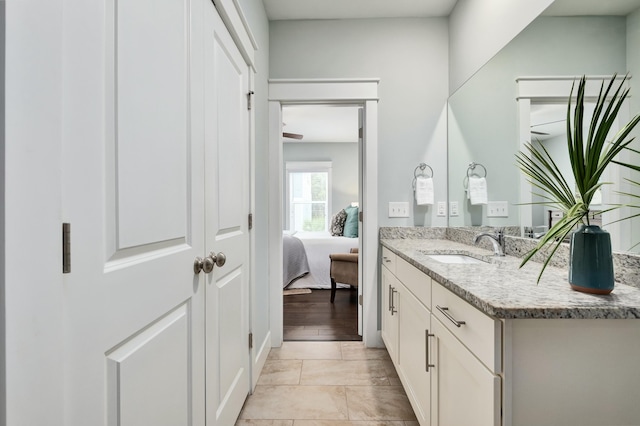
(351, 224)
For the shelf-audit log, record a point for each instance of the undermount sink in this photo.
(456, 258)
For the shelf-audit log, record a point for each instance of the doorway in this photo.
(321, 174)
(362, 92)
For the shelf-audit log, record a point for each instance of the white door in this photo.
(463, 391)
(133, 192)
(415, 367)
(390, 303)
(227, 209)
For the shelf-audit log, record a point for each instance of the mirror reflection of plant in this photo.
(634, 196)
(589, 155)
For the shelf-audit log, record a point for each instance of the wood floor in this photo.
(313, 317)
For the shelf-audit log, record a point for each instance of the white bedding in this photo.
(319, 245)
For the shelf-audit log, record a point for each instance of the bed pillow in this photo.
(351, 224)
(337, 223)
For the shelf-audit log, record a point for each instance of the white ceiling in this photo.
(321, 123)
(592, 7)
(361, 9)
(356, 9)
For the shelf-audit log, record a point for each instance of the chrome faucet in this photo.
(497, 240)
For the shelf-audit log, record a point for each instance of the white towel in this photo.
(477, 190)
(424, 190)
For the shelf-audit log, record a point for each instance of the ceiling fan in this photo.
(536, 132)
(297, 136)
(292, 135)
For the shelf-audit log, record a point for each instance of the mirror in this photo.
(483, 121)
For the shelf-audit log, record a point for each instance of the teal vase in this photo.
(591, 261)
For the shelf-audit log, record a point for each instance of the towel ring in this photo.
(470, 171)
(416, 173)
(472, 168)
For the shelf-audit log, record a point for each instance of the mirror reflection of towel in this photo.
(477, 190)
(424, 190)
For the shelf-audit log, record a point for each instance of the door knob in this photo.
(213, 260)
(198, 264)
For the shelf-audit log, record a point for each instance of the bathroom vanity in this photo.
(477, 342)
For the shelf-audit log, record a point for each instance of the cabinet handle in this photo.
(389, 298)
(426, 348)
(386, 259)
(445, 312)
(393, 302)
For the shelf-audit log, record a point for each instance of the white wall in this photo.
(478, 29)
(344, 168)
(410, 56)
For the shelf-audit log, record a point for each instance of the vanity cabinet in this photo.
(446, 352)
(546, 356)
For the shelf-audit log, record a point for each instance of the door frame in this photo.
(363, 92)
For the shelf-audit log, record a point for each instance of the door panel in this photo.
(151, 111)
(232, 136)
(227, 206)
(152, 366)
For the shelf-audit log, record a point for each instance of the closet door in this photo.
(133, 193)
(227, 234)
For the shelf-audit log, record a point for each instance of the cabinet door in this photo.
(414, 330)
(464, 392)
(390, 302)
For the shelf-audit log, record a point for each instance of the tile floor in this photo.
(327, 384)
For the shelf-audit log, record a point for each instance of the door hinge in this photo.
(66, 248)
(360, 216)
(360, 300)
(250, 340)
(249, 96)
(250, 221)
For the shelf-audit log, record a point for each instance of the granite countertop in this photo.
(503, 290)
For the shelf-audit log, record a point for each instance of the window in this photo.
(308, 195)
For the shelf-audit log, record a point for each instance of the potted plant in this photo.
(590, 263)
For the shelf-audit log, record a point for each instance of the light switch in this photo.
(498, 209)
(398, 209)
(453, 208)
(442, 208)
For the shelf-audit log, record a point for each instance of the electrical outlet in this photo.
(398, 209)
(453, 208)
(498, 209)
(442, 208)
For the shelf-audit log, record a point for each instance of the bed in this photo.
(317, 248)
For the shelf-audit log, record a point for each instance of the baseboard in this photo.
(376, 341)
